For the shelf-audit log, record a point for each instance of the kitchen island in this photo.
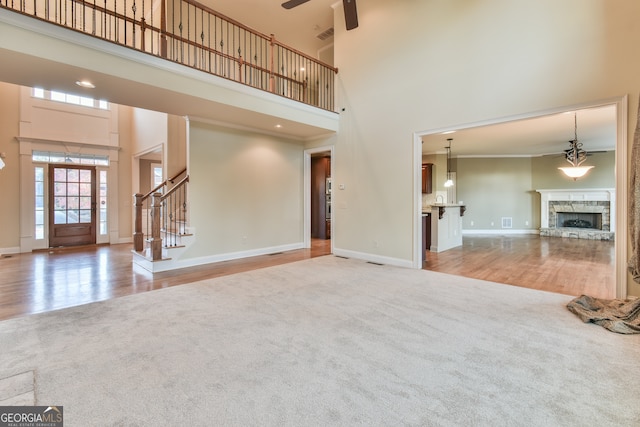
(446, 226)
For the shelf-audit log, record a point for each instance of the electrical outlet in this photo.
(492, 223)
(471, 223)
(526, 223)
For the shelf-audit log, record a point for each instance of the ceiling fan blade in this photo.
(350, 14)
(293, 3)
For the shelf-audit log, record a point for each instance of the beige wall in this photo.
(246, 192)
(446, 64)
(547, 176)
(125, 193)
(495, 188)
(145, 175)
(148, 130)
(176, 159)
(10, 175)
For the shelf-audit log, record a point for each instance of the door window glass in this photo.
(39, 205)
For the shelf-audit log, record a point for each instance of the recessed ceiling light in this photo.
(85, 83)
(278, 126)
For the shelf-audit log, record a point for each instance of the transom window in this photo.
(78, 158)
(69, 98)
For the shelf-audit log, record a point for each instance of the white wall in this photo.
(246, 193)
(423, 65)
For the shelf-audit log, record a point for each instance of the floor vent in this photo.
(374, 263)
(507, 222)
(343, 257)
(276, 253)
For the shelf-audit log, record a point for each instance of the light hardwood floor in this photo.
(58, 278)
(50, 280)
(561, 265)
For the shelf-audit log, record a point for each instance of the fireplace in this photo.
(581, 214)
(579, 220)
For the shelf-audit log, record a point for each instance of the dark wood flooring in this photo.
(50, 280)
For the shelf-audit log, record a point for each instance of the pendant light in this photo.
(575, 155)
(449, 182)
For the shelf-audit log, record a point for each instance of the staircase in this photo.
(161, 233)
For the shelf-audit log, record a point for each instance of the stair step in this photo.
(142, 255)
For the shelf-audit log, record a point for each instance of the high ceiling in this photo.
(297, 27)
(548, 134)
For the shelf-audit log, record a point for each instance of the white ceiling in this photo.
(549, 134)
(532, 137)
(297, 27)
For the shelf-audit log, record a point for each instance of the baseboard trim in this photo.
(378, 259)
(14, 250)
(174, 264)
(500, 232)
(121, 240)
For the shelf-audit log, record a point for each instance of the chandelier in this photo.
(575, 155)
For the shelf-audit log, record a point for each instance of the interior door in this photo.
(72, 205)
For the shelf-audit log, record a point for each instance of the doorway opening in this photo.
(318, 217)
(619, 146)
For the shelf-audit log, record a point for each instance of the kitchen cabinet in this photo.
(427, 178)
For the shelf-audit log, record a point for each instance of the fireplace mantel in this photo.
(575, 196)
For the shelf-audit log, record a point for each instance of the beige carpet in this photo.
(328, 341)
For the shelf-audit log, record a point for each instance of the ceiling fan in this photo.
(350, 11)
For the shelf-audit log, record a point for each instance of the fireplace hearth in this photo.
(580, 214)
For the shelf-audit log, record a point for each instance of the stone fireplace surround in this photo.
(599, 201)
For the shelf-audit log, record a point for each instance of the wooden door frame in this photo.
(307, 194)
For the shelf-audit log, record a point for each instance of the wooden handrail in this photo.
(297, 52)
(175, 187)
(177, 175)
(119, 25)
(162, 184)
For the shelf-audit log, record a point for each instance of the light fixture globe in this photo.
(449, 182)
(576, 172)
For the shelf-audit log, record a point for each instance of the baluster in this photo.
(133, 24)
(138, 235)
(156, 239)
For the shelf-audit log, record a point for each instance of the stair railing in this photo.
(192, 34)
(145, 209)
(173, 213)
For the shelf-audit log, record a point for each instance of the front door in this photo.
(72, 205)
